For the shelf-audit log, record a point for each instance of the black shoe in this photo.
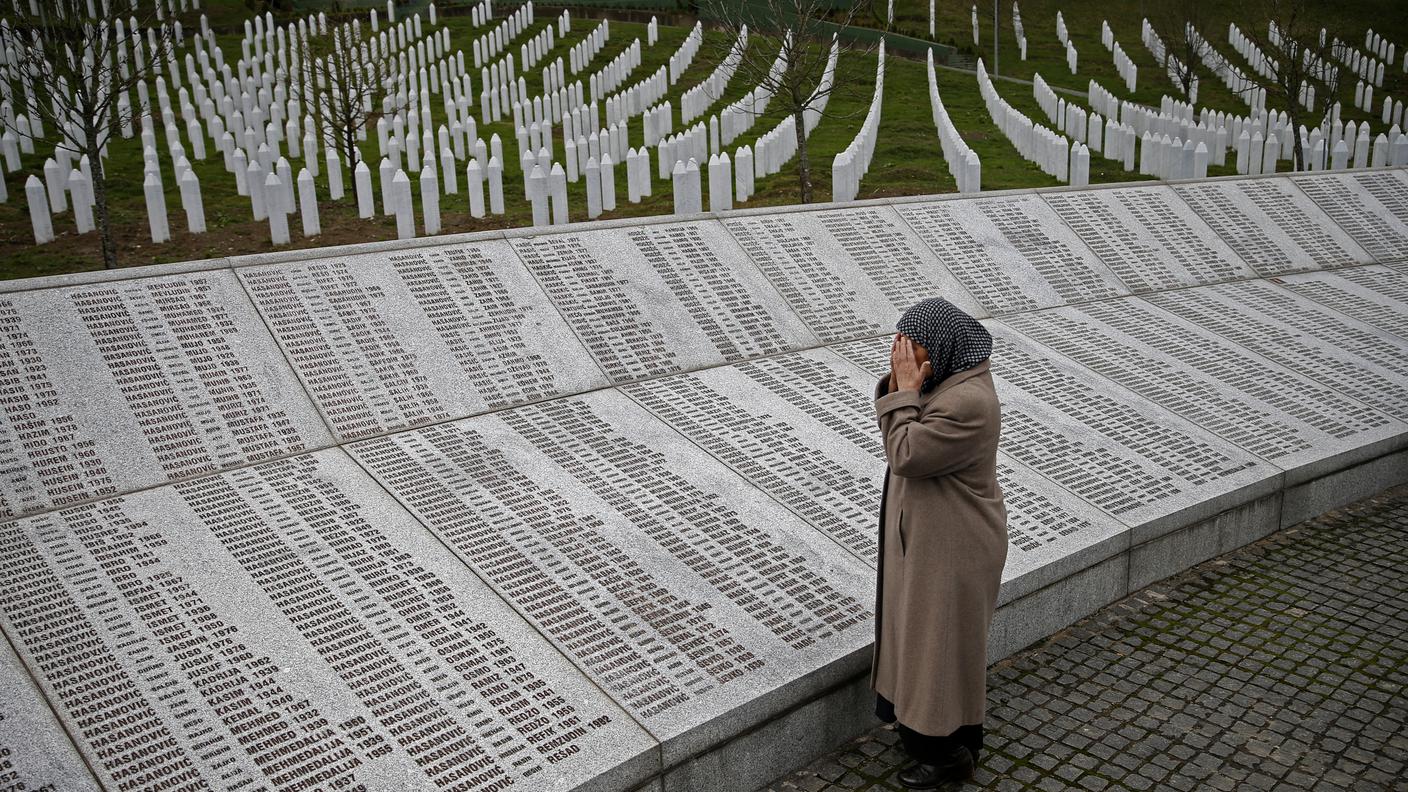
(956, 768)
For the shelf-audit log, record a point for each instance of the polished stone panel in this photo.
(847, 272)
(1272, 225)
(1148, 237)
(288, 625)
(389, 340)
(662, 298)
(118, 386)
(1012, 252)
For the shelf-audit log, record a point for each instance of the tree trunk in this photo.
(1298, 152)
(350, 140)
(100, 202)
(804, 163)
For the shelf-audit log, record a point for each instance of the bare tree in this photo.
(1298, 54)
(1189, 55)
(77, 63)
(808, 31)
(341, 75)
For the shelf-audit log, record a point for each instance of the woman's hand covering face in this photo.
(906, 372)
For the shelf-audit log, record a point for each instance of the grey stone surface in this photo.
(1343, 486)
(802, 428)
(662, 298)
(119, 386)
(654, 567)
(1272, 225)
(1012, 253)
(386, 341)
(1354, 358)
(780, 744)
(1370, 207)
(35, 753)
(1133, 459)
(1286, 418)
(289, 622)
(1148, 237)
(1248, 523)
(1174, 552)
(686, 556)
(849, 272)
(1021, 622)
(1377, 295)
(1280, 666)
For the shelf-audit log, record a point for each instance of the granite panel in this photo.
(847, 272)
(662, 298)
(1352, 357)
(389, 340)
(114, 387)
(288, 625)
(802, 428)
(1012, 252)
(681, 589)
(1148, 237)
(1271, 225)
(1376, 295)
(1276, 413)
(1133, 459)
(1371, 207)
(35, 754)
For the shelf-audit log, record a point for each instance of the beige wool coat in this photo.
(943, 543)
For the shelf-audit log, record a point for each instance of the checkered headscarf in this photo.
(955, 341)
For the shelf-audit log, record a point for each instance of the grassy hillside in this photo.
(907, 159)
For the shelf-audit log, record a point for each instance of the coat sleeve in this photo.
(946, 440)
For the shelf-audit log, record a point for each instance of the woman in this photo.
(943, 541)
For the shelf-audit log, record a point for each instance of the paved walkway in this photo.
(1281, 666)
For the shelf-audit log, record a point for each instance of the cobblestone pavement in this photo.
(1281, 666)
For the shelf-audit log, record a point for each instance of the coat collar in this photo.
(957, 377)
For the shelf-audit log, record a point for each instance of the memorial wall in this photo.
(595, 509)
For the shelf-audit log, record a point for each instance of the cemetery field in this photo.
(907, 159)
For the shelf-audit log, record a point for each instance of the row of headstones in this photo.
(1220, 67)
(1064, 36)
(1382, 47)
(547, 171)
(738, 116)
(850, 165)
(1016, 29)
(1365, 67)
(585, 50)
(254, 181)
(695, 100)
(962, 161)
(615, 72)
(1104, 136)
(639, 97)
(1173, 66)
(1248, 49)
(1124, 66)
(1033, 142)
(1390, 112)
(1252, 138)
(672, 149)
(279, 176)
(489, 45)
(501, 85)
(684, 56)
(777, 146)
(242, 165)
(536, 48)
